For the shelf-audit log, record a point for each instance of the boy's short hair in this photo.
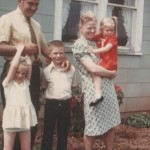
(54, 43)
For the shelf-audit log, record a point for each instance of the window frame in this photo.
(137, 23)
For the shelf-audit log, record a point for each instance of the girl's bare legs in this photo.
(109, 139)
(88, 142)
(25, 138)
(9, 138)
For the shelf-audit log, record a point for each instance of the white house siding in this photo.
(134, 72)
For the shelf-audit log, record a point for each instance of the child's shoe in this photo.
(97, 101)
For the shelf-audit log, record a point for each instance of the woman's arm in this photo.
(10, 50)
(7, 50)
(96, 69)
(14, 64)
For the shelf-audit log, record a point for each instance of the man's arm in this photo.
(96, 69)
(10, 50)
(45, 53)
(7, 50)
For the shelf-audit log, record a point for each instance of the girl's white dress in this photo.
(19, 113)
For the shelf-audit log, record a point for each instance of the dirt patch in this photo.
(126, 138)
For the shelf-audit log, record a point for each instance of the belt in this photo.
(57, 100)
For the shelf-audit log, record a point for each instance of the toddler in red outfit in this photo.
(107, 49)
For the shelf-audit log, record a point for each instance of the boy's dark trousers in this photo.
(35, 94)
(57, 113)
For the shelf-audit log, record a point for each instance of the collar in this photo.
(83, 38)
(18, 10)
(89, 42)
(52, 66)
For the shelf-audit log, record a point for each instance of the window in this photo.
(129, 13)
(70, 27)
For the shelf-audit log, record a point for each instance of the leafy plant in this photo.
(139, 120)
(120, 94)
(77, 115)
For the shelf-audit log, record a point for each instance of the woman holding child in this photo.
(102, 118)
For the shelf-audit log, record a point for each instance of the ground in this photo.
(126, 138)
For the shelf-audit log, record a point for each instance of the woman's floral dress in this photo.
(106, 115)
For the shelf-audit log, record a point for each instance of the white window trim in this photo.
(90, 1)
(139, 27)
(136, 42)
(58, 19)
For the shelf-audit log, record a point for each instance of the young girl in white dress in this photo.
(19, 113)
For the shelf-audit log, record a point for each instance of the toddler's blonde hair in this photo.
(109, 22)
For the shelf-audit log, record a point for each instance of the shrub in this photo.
(77, 116)
(139, 120)
(120, 94)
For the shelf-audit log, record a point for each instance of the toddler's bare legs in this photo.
(98, 90)
(98, 86)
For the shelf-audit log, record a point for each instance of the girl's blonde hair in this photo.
(24, 61)
(86, 17)
(109, 22)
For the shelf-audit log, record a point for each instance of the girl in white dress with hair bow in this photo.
(19, 114)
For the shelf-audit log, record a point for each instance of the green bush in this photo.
(77, 114)
(139, 120)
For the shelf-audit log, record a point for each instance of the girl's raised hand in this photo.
(20, 46)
